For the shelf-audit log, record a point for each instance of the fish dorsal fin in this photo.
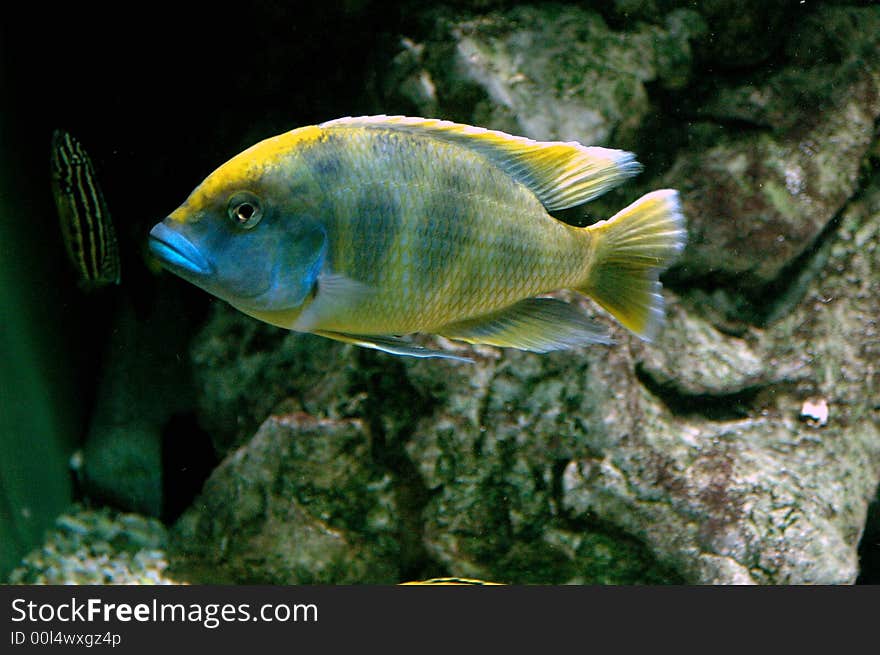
(561, 174)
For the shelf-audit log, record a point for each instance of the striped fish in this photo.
(364, 229)
(89, 236)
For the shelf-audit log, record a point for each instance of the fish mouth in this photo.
(176, 252)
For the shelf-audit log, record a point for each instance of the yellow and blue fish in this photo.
(86, 226)
(369, 228)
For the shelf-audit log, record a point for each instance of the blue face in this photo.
(171, 248)
(244, 250)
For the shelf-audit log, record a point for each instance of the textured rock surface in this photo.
(252, 366)
(704, 457)
(549, 71)
(301, 503)
(535, 468)
(338, 499)
(758, 198)
(739, 33)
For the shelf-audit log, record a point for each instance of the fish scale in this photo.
(463, 246)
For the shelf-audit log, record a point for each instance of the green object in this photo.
(36, 415)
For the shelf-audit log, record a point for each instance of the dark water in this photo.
(158, 98)
(161, 98)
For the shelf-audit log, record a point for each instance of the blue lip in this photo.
(176, 252)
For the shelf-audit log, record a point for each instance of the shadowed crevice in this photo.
(869, 546)
(391, 413)
(715, 407)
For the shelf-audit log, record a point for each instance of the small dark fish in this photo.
(88, 232)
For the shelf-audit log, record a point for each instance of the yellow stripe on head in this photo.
(245, 169)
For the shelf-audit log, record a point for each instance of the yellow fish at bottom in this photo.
(453, 581)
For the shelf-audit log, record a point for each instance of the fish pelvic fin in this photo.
(389, 344)
(561, 174)
(535, 324)
(630, 251)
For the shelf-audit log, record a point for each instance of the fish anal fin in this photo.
(561, 174)
(535, 324)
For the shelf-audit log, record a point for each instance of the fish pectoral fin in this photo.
(560, 173)
(333, 294)
(389, 344)
(535, 324)
(341, 288)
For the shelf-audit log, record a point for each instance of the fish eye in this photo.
(245, 210)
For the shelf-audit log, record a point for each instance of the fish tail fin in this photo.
(630, 250)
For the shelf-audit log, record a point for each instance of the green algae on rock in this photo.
(757, 199)
(548, 72)
(300, 503)
(326, 500)
(232, 354)
(737, 35)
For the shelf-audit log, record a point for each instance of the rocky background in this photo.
(742, 446)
